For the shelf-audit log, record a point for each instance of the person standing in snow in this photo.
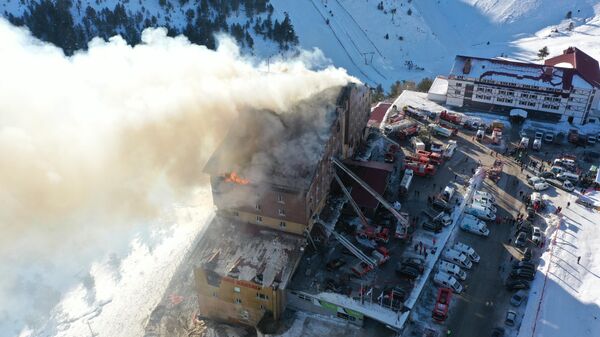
(578, 258)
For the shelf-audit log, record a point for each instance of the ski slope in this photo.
(565, 299)
(436, 31)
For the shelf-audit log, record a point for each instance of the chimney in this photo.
(467, 66)
(547, 75)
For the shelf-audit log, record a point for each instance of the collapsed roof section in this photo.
(249, 253)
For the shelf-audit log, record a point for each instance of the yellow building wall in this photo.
(247, 217)
(236, 301)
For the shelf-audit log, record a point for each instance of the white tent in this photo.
(518, 112)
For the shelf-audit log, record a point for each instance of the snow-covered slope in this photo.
(565, 300)
(435, 31)
(384, 41)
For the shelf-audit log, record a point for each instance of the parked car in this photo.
(414, 262)
(568, 186)
(521, 240)
(486, 195)
(517, 284)
(468, 251)
(484, 199)
(523, 264)
(541, 186)
(527, 255)
(525, 268)
(511, 318)
(407, 272)
(485, 204)
(535, 180)
(546, 175)
(522, 274)
(432, 227)
(536, 236)
(518, 298)
(568, 176)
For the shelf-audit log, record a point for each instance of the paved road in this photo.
(481, 307)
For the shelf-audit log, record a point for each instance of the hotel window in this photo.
(531, 104)
(237, 301)
(523, 102)
(259, 218)
(257, 207)
(281, 212)
(262, 296)
(282, 224)
(459, 84)
(533, 96)
(457, 92)
(236, 213)
(280, 198)
(237, 290)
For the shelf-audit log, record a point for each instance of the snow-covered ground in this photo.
(565, 301)
(118, 293)
(436, 31)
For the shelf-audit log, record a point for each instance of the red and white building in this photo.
(565, 88)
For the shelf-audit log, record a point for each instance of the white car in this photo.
(568, 186)
(540, 186)
(536, 236)
(535, 180)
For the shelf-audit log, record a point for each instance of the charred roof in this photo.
(282, 148)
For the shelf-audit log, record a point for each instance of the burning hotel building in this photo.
(270, 178)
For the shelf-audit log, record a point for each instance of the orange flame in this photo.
(234, 178)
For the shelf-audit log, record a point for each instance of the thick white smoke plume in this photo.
(95, 147)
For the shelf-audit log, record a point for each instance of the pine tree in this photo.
(425, 84)
(542, 53)
(569, 15)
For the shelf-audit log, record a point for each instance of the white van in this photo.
(480, 212)
(483, 199)
(567, 176)
(524, 142)
(445, 280)
(487, 195)
(473, 225)
(452, 269)
(457, 257)
(468, 251)
(485, 204)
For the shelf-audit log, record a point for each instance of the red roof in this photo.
(585, 65)
(375, 174)
(378, 113)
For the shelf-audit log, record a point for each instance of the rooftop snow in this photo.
(516, 72)
(439, 86)
(229, 248)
